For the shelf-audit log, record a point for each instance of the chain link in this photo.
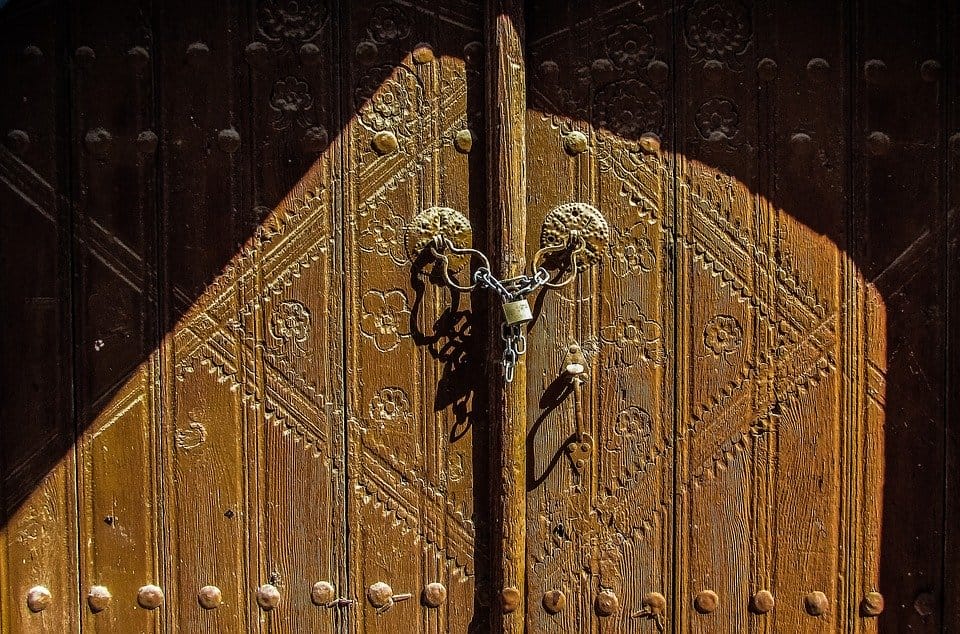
(514, 338)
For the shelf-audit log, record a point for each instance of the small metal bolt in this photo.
(209, 597)
(554, 601)
(38, 598)
(706, 601)
(463, 141)
(607, 603)
(872, 604)
(510, 599)
(385, 142)
(762, 602)
(323, 593)
(575, 143)
(434, 594)
(423, 54)
(99, 598)
(268, 596)
(150, 597)
(816, 603)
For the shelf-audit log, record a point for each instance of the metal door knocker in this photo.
(572, 239)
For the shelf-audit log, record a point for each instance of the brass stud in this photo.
(38, 598)
(954, 143)
(706, 601)
(654, 603)
(872, 604)
(147, 142)
(268, 596)
(603, 70)
(310, 54)
(801, 144)
(367, 52)
(658, 71)
(816, 603)
(315, 139)
(85, 55)
(198, 53)
(98, 141)
(229, 140)
(99, 598)
(818, 66)
(323, 593)
(33, 52)
(762, 602)
(510, 599)
(874, 70)
(575, 142)
(434, 594)
(209, 597)
(930, 70)
(878, 143)
(554, 601)
(650, 142)
(463, 141)
(713, 68)
(380, 594)
(607, 603)
(139, 57)
(18, 140)
(423, 54)
(767, 69)
(256, 54)
(150, 597)
(473, 53)
(385, 142)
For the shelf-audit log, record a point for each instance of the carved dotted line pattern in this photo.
(379, 482)
(721, 264)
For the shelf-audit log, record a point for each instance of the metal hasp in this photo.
(572, 239)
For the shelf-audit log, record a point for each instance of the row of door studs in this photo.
(382, 597)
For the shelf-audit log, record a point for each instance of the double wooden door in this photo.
(242, 395)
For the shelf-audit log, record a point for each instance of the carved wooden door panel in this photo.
(240, 393)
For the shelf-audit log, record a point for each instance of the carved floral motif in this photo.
(637, 339)
(718, 29)
(389, 24)
(631, 430)
(629, 108)
(386, 318)
(291, 102)
(390, 104)
(384, 236)
(718, 119)
(632, 251)
(290, 324)
(630, 46)
(291, 22)
(723, 335)
(391, 407)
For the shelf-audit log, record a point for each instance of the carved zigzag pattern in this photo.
(440, 524)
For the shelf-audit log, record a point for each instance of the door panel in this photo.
(412, 347)
(607, 526)
(717, 332)
(235, 399)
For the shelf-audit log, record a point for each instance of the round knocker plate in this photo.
(442, 221)
(561, 223)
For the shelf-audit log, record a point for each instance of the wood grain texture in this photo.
(37, 461)
(506, 226)
(605, 528)
(411, 344)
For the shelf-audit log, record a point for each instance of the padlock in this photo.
(517, 312)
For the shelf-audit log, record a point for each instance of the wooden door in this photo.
(240, 393)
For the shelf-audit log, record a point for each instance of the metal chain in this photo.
(514, 338)
(512, 290)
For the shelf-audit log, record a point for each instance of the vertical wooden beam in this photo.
(506, 90)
